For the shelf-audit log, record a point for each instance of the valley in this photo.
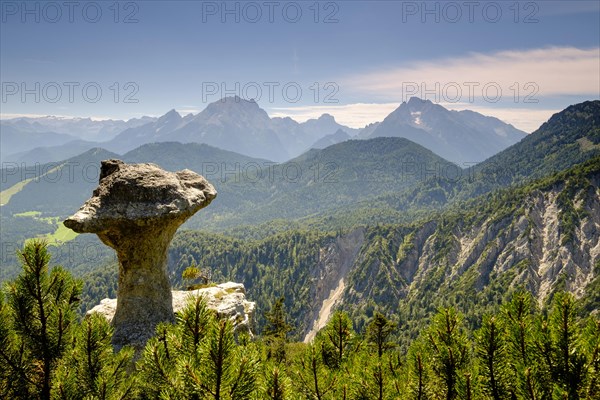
(429, 232)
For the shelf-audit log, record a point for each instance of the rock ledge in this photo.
(227, 299)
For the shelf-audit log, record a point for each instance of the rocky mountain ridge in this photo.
(240, 125)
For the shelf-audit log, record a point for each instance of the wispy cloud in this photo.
(554, 71)
(353, 115)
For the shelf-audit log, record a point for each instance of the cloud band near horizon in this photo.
(520, 87)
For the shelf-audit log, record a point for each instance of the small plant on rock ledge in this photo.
(192, 274)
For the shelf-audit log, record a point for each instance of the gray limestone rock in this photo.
(228, 300)
(136, 210)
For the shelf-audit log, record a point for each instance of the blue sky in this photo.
(357, 60)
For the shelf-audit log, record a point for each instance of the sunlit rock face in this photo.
(228, 300)
(136, 210)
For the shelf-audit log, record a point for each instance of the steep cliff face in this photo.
(535, 242)
(328, 278)
(542, 238)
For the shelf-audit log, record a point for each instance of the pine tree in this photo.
(374, 378)
(224, 371)
(37, 323)
(449, 350)
(568, 369)
(276, 386)
(492, 354)
(198, 359)
(337, 339)
(192, 323)
(418, 372)
(159, 371)
(91, 369)
(315, 379)
(539, 374)
(14, 368)
(590, 341)
(276, 330)
(378, 332)
(526, 375)
(161, 364)
(519, 316)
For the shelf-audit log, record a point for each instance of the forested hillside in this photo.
(521, 351)
(541, 237)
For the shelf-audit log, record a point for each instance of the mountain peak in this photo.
(416, 101)
(234, 104)
(326, 117)
(458, 137)
(235, 100)
(170, 116)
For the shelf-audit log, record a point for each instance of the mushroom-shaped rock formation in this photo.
(136, 210)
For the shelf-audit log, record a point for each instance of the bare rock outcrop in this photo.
(228, 300)
(136, 210)
(335, 263)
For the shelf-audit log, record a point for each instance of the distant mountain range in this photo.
(15, 142)
(79, 128)
(390, 175)
(249, 188)
(55, 138)
(232, 124)
(242, 126)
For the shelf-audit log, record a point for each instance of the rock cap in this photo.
(140, 194)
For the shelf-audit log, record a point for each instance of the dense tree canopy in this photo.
(519, 352)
